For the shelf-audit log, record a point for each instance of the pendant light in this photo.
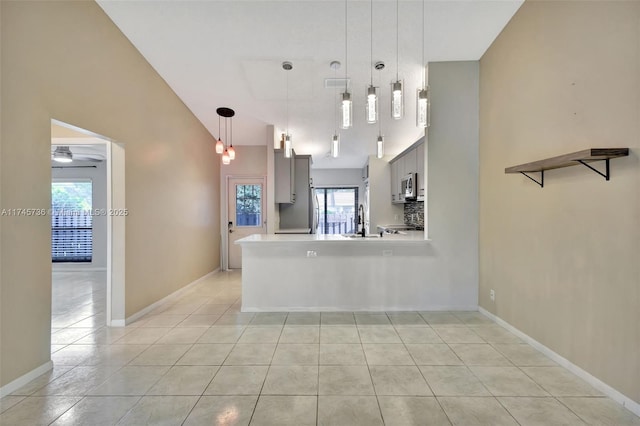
(397, 101)
(371, 110)
(423, 112)
(288, 148)
(62, 154)
(219, 144)
(226, 159)
(229, 153)
(347, 105)
(380, 146)
(380, 140)
(335, 139)
(335, 145)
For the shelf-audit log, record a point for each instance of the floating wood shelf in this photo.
(581, 157)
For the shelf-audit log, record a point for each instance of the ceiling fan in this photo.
(63, 154)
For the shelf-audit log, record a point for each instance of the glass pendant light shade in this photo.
(347, 111)
(372, 105)
(219, 147)
(380, 147)
(287, 146)
(423, 113)
(397, 101)
(232, 153)
(335, 146)
(225, 157)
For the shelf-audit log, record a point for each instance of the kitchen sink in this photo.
(356, 236)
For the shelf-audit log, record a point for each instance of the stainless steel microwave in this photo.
(410, 186)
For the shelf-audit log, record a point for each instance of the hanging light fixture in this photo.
(226, 159)
(335, 145)
(288, 148)
(227, 153)
(380, 146)
(397, 101)
(62, 154)
(335, 139)
(371, 110)
(219, 144)
(422, 98)
(380, 140)
(347, 105)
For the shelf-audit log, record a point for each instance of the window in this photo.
(338, 210)
(248, 205)
(71, 221)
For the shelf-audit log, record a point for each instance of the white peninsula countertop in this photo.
(406, 236)
(339, 273)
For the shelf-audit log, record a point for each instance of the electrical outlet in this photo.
(387, 253)
(492, 295)
(312, 253)
(395, 217)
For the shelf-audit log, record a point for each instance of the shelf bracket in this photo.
(541, 182)
(605, 175)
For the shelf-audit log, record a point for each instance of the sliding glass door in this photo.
(338, 209)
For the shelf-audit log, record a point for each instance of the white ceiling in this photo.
(229, 53)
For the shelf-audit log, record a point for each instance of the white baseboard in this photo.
(612, 393)
(356, 308)
(174, 295)
(25, 378)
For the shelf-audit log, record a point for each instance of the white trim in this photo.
(435, 308)
(175, 294)
(25, 378)
(108, 308)
(612, 393)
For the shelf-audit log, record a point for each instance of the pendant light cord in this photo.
(371, 64)
(218, 126)
(424, 78)
(335, 102)
(346, 49)
(397, 41)
(287, 80)
(379, 119)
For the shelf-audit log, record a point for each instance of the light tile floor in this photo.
(199, 360)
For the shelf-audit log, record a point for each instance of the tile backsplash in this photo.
(414, 213)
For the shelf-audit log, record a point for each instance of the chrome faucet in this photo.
(361, 220)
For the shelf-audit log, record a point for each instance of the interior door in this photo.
(246, 214)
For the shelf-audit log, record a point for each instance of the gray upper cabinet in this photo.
(420, 170)
(410, 161)
(299, 214)
(395, 185)
(285, 177)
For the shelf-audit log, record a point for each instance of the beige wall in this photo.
(565, 260)
(68, 61)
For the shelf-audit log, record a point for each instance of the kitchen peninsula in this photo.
(338, 273)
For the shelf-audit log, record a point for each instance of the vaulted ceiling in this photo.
(229, 53)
